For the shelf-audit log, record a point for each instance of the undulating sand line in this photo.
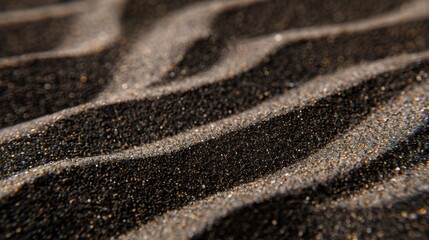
(188, 174)
(301, 97)
(62, 74)
(339, 168)
(414, 11)
(146, 123)
(145, 119)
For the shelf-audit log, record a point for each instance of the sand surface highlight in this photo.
(188, 119)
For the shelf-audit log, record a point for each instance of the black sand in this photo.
(125, 119)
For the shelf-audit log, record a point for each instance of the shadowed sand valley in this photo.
(324, 136)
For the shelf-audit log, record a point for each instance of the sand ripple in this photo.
(214, 119)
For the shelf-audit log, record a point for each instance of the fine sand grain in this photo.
(216, 119)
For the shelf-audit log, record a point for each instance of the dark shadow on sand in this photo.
(267, 17)
(123, 125)
(7, 5)
(109, 198)
(295, 216)
(140, 14)
(33, 36)
(100, 200)
(42, 87)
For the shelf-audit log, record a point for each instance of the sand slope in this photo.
(214, 119)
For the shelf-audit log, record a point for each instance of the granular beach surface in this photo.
(216, 119)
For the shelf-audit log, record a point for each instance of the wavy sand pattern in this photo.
(186, 119)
